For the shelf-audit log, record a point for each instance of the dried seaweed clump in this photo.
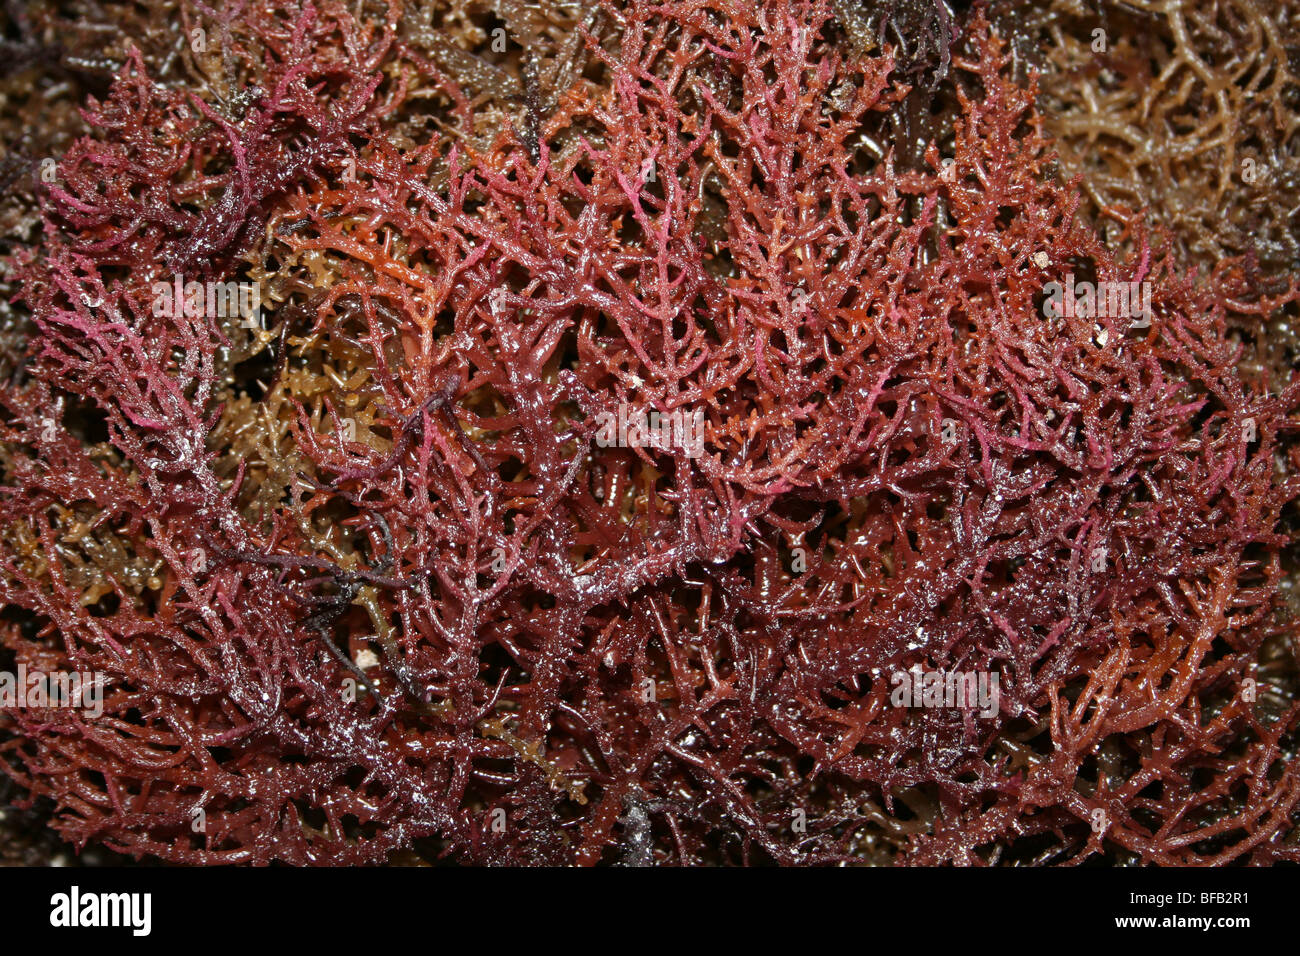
(1187, 113)
(1190, 110)
(375, 576)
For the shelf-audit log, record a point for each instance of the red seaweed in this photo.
(603, 471)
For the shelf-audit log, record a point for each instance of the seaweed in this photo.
(406, 561)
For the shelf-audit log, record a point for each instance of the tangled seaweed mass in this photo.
(321, 316)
